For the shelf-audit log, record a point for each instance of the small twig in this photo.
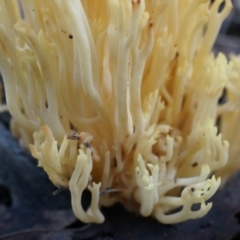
(110, 190)
(59, 190)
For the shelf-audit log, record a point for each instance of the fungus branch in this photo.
(138, 81)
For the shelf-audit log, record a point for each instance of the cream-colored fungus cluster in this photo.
(138, 82)
(229, 113)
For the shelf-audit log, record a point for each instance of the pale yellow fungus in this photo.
(229, 113)
(139, 83)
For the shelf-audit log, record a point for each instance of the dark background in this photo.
(29, 210)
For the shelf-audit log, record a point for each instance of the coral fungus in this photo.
(120, 94)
